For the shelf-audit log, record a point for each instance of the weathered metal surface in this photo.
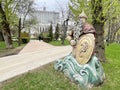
(84, 48)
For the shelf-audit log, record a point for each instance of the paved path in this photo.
(35, 45)
(34, 55)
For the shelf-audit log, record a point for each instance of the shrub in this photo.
(24, 37)
(51, 32)
(56, 32)
(45, 36)
(25, 40)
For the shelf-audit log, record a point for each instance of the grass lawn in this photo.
(112, 68)
(2, 44)
(46, 78)
(43, 78)
(4, 51)
(58, 43)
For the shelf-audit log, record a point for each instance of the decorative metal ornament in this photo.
(84, 48)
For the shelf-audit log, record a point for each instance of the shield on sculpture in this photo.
(84, 48)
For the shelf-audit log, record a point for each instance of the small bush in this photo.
(59, 43)
(24, 37)
(48, 39)
(25, 40)
(45, 36)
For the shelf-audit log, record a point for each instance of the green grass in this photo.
(112, 68)
(3, 46)
(58, 43)
(3, 49)
(46, 78)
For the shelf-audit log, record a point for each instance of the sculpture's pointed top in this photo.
(83, 15)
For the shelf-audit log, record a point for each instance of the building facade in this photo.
(44, 19)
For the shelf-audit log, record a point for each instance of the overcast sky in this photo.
(51, 5)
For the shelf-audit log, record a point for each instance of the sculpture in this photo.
(82, 66)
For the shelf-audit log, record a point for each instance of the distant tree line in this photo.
(50, 35)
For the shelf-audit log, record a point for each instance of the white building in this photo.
(45, 18)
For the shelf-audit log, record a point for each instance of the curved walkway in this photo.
(35, 45)
(35, 54)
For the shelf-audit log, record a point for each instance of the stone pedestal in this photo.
(86, 75)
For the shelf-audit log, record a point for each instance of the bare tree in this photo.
(113, 24)
(24, 8)
(64, 13)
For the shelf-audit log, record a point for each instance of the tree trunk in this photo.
(99, 47)
(114, 30)
(7, 39)
(64, 26)
(109, 33)
(98, 21)
(19, 32)
(7, 36)
(118, 38)
(113, 37)
(63, 34)
(5, 29)
(1, 36)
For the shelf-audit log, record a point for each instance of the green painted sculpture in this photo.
(87, 75)
(82, 66)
